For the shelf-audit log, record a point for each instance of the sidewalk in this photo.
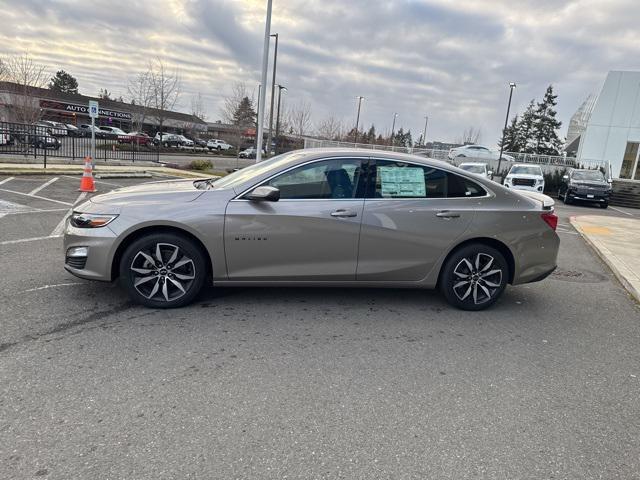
(617, 241)
(121, 170)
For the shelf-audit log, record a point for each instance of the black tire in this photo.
(165, 145)
(185, 266)
(219, 148)
(482, 289)
(567, 199)
(605, 205)
(39, 145)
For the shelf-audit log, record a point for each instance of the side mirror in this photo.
(565, 177)
(264, 194)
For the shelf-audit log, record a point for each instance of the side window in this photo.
(336, 178)
(461, 187)
(407, 180)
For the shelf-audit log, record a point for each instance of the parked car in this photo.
(477, 151)
(476, 168)
(219, 145)
(138, 138)
(72, 130)
(52, 128)
(199, 143)
(250, 152)
(185, 142)
(585, 186)
(168, 139)
(85, 129)
(112, 132)
(525, 177)
(301, 219)
(43, 141)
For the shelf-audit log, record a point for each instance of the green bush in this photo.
(201, 165)
(552, 181)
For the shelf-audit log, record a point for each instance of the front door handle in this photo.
(447, 214)
(341, 213)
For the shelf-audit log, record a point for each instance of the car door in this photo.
(311, 233)
(413, 214)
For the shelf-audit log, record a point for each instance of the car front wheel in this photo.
(163, 270)
(474, 277)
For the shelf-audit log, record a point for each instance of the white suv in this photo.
(477, 151)
(217, 144)
(476, 168)
(525, 177)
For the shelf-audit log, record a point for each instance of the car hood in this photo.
(525, 176)
(170, 191)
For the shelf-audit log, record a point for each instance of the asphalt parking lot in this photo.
(308, 383)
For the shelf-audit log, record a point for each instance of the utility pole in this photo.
(265, 65)
(355, 140)
(273, 88)
(280, 88)
(504, 130)
(424, 133)
(393, 128)
(255, 144)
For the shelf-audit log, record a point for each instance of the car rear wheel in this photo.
(163, 270)
(474, 277)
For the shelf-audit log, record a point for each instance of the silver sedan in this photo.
(345, 218)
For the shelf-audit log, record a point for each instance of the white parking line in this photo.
(96, 181)
(44, 185)
(6, 180)
(35, 196)
(621, 211)
(22, 240)
(58, 230)
(45, 287)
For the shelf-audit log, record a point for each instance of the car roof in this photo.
(474, 163)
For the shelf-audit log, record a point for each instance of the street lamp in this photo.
(265, 65)
(273, 87)
(280, 89)
(355, 138)
(393, 127)
(504, 130)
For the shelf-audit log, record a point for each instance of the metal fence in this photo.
(557, 160)
(42, 142)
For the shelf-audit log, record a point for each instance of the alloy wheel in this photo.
(164, 273)
(476, 278)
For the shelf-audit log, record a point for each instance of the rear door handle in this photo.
(447, 214)
(343, 213)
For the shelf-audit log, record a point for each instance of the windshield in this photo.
(473, 168)
(524, 170)
(589, 175)
(247, 173)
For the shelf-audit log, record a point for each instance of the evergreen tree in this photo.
(510, 141)
(371, 134)
(545, 133)
(63, 82)
(525, 131)
(244, 114)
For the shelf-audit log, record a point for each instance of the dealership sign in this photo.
(83, 109)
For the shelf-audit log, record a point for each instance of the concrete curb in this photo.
(606, 256)
(115, 172)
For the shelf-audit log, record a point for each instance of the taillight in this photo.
(551, 219)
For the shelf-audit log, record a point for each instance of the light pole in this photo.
(504, 130)
(424, 133)
(265, 65)
(280, 88)
(393, 128)
(273, 88)
(355, 138)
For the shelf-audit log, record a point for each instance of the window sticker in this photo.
(402, 182)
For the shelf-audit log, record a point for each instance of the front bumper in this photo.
(598, 197)
(100, 244)
(535, 188)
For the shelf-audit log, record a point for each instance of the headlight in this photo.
(90, 220)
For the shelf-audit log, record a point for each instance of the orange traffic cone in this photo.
(87, 184)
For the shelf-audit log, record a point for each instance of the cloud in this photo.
(450, 60)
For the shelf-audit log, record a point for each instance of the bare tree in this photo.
(24, 74)
(165, 89)
(139, 89)
(300, 118)
(330, 128)
(470, 135)
(197, 107)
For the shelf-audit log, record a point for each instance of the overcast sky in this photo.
(452, 60)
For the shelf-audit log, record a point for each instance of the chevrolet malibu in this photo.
(341, 218)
